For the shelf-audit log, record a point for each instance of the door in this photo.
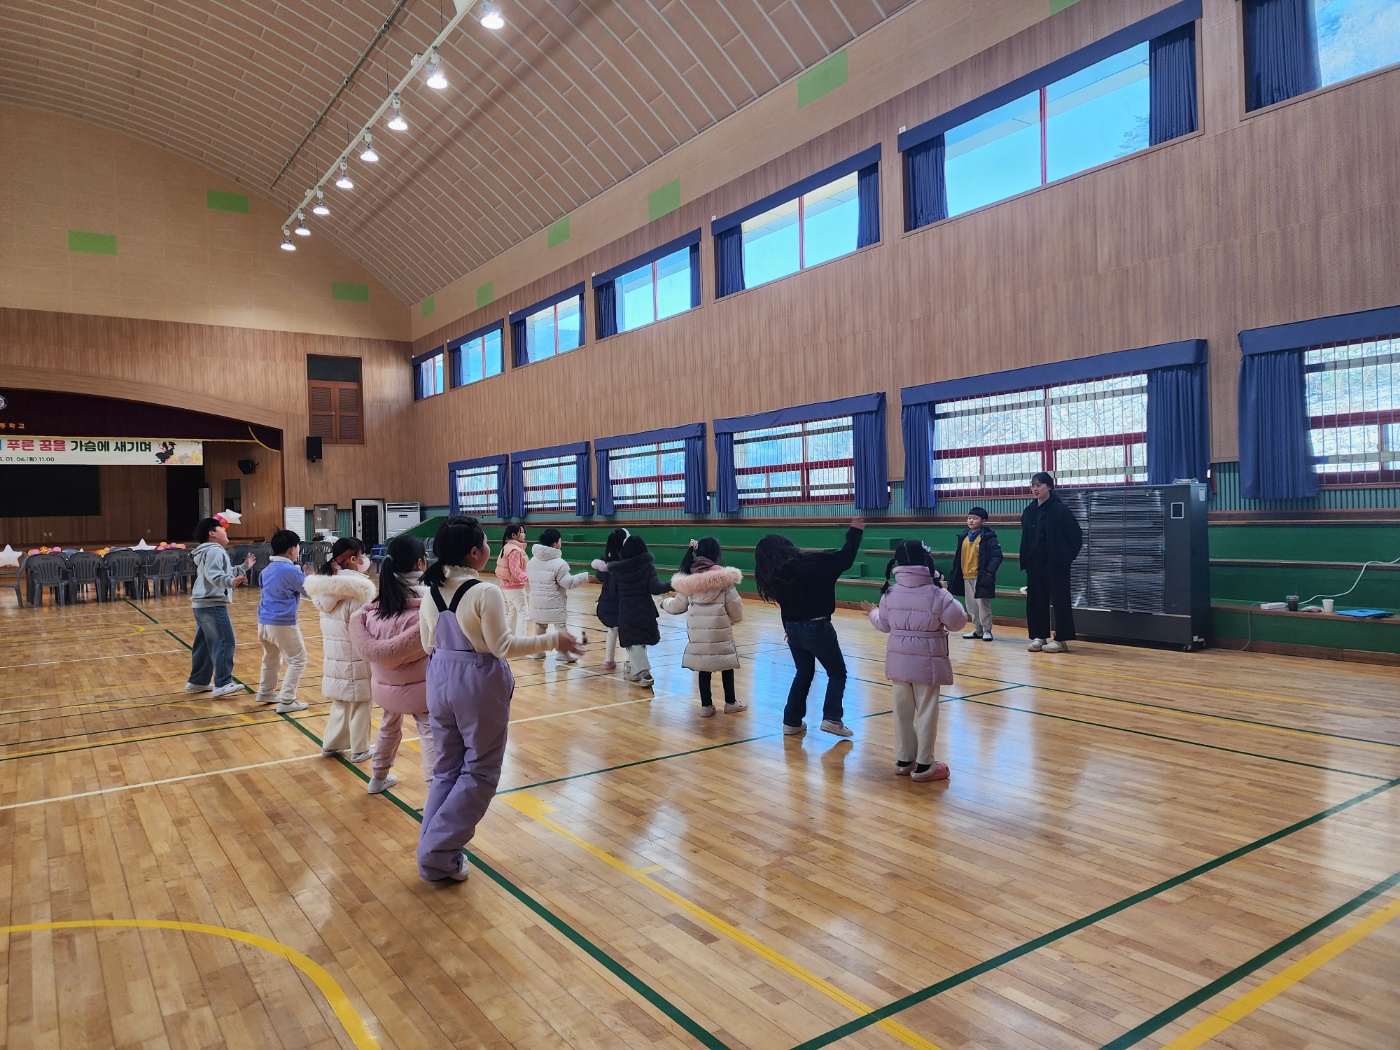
(369, 521)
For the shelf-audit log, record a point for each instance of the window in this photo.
(1353, 398)
(654, 291)
(1355, 37)
(476, 490)
(334, 404)
(427, 375)
(798, 463)
(554, 329)
(820, 225)
(1090, 433)
(551, 484)
(477, 357)
(1296, 46)
(648, 476)
(1090, 117)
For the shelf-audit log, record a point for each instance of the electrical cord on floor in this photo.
(1248, 628)
(1364, 566)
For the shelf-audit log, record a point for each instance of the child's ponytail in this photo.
(910, 552)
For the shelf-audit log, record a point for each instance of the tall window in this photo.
(335, 411)
(648, 476)
(1087, 118)
(655, 291)
(478, 358)
(1353, 397)
(1355, 37)
(798, 463)
(476, 490)
(551, 484)
(1295, 46)
(1090, 433)
(428, 377)
(820, 225)
(554, 330)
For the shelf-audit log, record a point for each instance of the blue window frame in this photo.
(428, 374)
(477, 356)
(554, 329)
(654, 291)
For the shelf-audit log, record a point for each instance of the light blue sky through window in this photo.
(569, 328)
(770, 245)
(636, 305)
(1097, 114)
(994, 156)
(1356, 36)
(492, 343)
(831, 215)
(539, 334)
(673, 284)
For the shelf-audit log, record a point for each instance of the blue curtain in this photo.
(729, 262)
(1178, 424)
(518, 352)
(694, 275)
(583, 492)
(607, 309)
(917, 423)
(697, 498)
(868, 202)
(502, 490)
(517, 489)
(925, 184)
(871, 458)
(1275, 457)
(417, 381)
(1280, 50)
(1171, 78)
(604, 466)
(726, 481)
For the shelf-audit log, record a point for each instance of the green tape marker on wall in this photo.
(218, 200)
(429, 305)
(664, 200)
(559, 232)
(1060, 5)
(350, 293)
(92, 243)
(821, 79)
(485, 294)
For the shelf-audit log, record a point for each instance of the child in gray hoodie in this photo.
(212, 594)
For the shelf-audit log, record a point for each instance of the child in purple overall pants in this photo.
(469, 690)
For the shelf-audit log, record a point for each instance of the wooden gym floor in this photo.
(1137, 848)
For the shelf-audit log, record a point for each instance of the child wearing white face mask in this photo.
(338, 589)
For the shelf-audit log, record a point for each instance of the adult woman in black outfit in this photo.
(803, 583)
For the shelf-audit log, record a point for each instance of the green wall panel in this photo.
(822, 79)
(485, 294)
(349, 293)
(663, 201)
(559, 232)
(218, 200)
(429, 305)
(92, 243)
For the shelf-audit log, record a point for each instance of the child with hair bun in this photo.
(338, 589)
(707, 592)
(917, 613)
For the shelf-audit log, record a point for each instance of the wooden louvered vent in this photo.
(335, 412)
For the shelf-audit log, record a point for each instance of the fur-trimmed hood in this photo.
(599, 565)
(326, 592)
(716, 579)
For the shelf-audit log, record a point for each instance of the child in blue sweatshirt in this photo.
(278, 630)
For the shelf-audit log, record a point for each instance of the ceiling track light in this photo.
(491, 17)
(397, 122)
(427, 64)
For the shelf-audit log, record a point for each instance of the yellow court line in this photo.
(1316, 735)
(536, 809)
(338, 1001)
(1247, 1004)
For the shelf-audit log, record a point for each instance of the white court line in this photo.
(600, 707)
(90, 659)
(154, 783)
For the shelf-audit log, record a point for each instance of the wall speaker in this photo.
(247, 466)
(313, 449)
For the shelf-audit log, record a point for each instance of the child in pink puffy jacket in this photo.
(917, 613)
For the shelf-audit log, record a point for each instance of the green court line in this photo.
(1176, 740)
(143, 612)
(1268, 955)
(1011, 955)
(667, 1008)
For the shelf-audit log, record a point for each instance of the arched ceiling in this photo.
(570, 98)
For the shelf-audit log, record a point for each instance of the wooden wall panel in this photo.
(1258, 219)
(262, 490)
(133, 508)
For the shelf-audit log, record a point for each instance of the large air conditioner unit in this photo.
(400, 517)
(1144, 572)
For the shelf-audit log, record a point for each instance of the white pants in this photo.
(610, 648)
(543, 628)
(915, 722)
(348, 727)
(979, 610)
(639, 658)
(281, 642)
(517, 609)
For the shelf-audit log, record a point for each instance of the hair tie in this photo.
(694, 544)
(340, 558)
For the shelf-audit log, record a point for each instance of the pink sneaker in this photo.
(609, 665)
(937, 771)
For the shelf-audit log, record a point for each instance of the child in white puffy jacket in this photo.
(707, 592)
(338, 589)
(550, 584)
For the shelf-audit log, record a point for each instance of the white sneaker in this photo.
(538, 656)
(1037, 644)
(222, 691)
(1056, 646)
(361, 756)
(707, 710)
(267, 699)
(645, 680)
(735, 707)
(837, 728)
(972, 633)
(788, 730)
(987, 637)
(378, 784)
(193, 687)
(286, 709)
(571, 659)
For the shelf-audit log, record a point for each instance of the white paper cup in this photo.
(1328, 605)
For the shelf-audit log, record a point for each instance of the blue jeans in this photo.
(812, 641)
(213, 646)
